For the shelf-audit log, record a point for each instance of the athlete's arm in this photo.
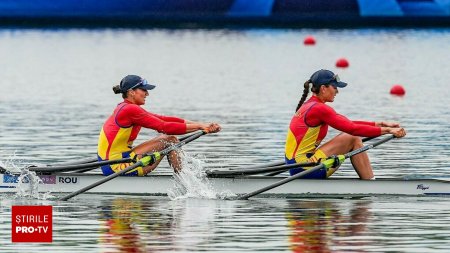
(192, 126)
(327, 115)
(135, 115)
(387, 124)
(170, 118)
(369, 123)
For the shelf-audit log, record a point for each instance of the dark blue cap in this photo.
(324, 76)
(134, 82)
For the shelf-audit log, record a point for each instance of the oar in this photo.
(65, 168)
(328, 163)
(85, 160)
(274, 168)
(85, 165)
(259, 166)
(148, 159)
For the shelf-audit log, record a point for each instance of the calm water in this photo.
(129, 224)
(56, 93)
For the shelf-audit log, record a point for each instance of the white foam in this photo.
(10, 163)
(28, 186)
(192, 182)
(28, 181)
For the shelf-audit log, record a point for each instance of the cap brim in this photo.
(339, 84)
(147, 87)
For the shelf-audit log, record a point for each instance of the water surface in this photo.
(56, 93)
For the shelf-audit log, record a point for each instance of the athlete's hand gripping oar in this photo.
(86, 166)
(148, 159)
(328, 163)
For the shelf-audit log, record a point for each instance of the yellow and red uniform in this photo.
(308, 128)
(121, 129)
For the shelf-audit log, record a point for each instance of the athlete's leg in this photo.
(157, 144)
(344, 143)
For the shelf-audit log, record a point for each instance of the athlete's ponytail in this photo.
(118, 90)
(305, 94)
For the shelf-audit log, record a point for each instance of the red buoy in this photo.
(342, 63)
(398, 90)
(309, 40)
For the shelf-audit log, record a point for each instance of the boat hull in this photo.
(160, 184)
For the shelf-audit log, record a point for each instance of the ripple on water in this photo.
(250, 82)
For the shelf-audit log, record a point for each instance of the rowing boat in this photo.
(242, 182)
(159, 184)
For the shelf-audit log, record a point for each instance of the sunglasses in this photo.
(336, 78)
(143, 82)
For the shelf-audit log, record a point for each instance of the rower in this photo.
(123, 126)
(309, 126)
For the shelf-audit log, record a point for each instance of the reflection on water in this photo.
(247, 80)
(121, 217)
(134, 225)
(139, 224)
(320, 226)
(56, 93)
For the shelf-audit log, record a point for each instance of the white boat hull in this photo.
(159, 185)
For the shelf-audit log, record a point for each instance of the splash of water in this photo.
(192, 182)
(27, 182)
(28, 186)
(10, 163)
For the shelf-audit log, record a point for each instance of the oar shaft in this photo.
(367, 147)
(281, 168)
(181, 143)
(85, 160)
(187, 136)
(78, 166)
(367, 139)
(260, 166)
(104, 180)
(281, 182)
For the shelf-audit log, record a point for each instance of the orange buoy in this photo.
(398, 90)
(309, 40)
(342, 63)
